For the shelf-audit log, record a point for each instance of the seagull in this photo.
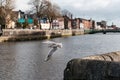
(54, 46)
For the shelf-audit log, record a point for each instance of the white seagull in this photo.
(54, 46)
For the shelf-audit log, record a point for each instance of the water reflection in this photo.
(25, 60)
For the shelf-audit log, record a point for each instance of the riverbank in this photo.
(36, 34)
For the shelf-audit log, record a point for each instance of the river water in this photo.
(25, 60)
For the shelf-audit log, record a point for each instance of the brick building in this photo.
(64, 22)
(78, 23)
(88, 24)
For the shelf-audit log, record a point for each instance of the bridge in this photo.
(104, 31)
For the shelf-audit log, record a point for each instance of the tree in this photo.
(52, 12)
(45, 8)
(6, 7)
(39, 6)
(2, 2)
(2, 15)
(67, 13)
(9, 4)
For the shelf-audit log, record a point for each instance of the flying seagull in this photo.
(54, 46)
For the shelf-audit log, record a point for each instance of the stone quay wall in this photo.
(35, 34)
(96, 67)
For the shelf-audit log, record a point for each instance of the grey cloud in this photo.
(109, 12)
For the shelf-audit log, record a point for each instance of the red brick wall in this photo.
(87, 24)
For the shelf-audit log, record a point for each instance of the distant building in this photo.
(70, 24)
(112, 26)
(45, 26)
(55, 24)
(64, 22)
(101, 25)
(80, 23)
(76, 23)
(61, 22)
(88, 24)
(21, 14)
(104, 24)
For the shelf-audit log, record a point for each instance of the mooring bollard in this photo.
(98, 67)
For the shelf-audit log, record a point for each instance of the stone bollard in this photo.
(99, 67)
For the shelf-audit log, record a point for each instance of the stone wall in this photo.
(98, 67)
(35, 34)
(19, 32)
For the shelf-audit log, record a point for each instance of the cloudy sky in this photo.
(96, 9)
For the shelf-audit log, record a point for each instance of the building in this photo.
(55, 24)
(88, 24)
(70, 24)
(76, 23)
(64, 22)
(80, 23)
(101, 25)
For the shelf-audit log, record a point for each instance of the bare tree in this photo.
(67, 13)
(9, 4)
(52, 12)
(6, 7)
(2, 2)
(39, 6)
(44, 8)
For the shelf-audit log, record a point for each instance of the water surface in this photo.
(25, 60)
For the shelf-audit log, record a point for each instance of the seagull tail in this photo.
(47, 59)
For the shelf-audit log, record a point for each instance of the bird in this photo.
(54, 46)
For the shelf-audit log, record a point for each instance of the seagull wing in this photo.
(49, 42)
(51, 53)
